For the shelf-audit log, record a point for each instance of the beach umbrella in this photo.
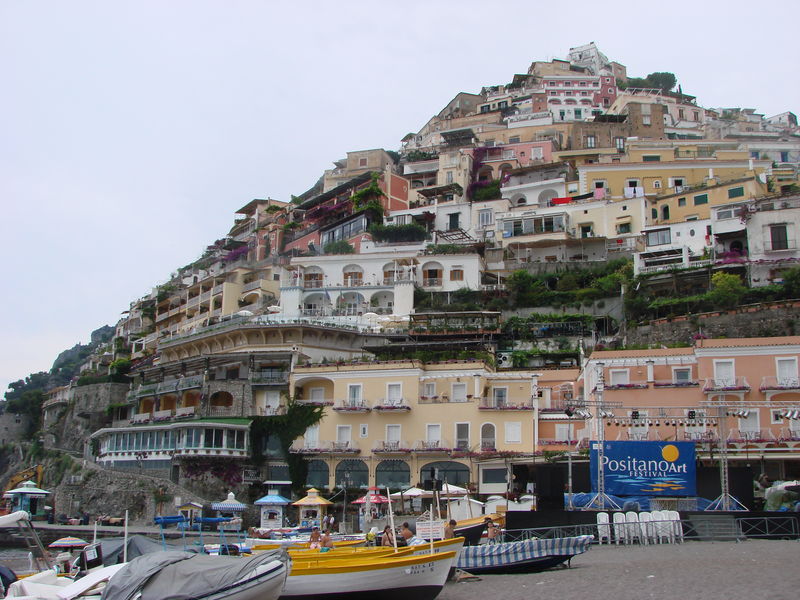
(69, 542)
(374, 498)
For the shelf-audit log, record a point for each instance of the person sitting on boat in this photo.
(405, 531)
(326, 542)
(493, 532)
(387, 537)
(315, 539)
(450, 530)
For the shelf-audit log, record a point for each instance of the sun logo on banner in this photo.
(670, 453)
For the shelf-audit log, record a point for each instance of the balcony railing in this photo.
(557, 442)
(221, 411)
(342, 447)
(788, 434)
(630, 385)
(351, 406)
(728, 384)
(751, 435)
(392, 405)
(432, 446)
(773, 383)
(141, 418)
(488, 445)
(675, 383)
(193, 381)
(391, 447)
(316, 401)
(269, 377)
(185, 412)
(503, 404)
(432, 282)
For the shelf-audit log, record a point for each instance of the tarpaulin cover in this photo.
(181, 575)
(137, 545)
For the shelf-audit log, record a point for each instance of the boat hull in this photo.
(523, 556)
(418, 577)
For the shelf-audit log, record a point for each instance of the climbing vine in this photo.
(286, 428)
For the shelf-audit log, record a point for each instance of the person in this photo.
(325, 522)
(493, 533)
(406, 532)
(371, 535)
(315, 539)
(450, 530)
(326, 542)
(387, 537)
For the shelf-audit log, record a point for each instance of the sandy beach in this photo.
(748, 570)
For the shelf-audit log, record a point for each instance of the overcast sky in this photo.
(130, 132)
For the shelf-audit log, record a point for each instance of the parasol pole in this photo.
(430, 529)
(391, 520)
(94, 535)
(125, 540)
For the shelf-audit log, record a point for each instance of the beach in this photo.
(747, 570)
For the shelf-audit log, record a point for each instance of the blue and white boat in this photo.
(521, 557)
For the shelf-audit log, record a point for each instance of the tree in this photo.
(791, 282)
(662, 80)
(726, 290)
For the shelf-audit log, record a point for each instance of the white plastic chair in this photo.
(661, 528)
(634, 527)
(603, 528)
(620, 528)
(676, 527)
(646, 523)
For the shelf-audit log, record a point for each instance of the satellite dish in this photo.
(244, 313)
(274, 308)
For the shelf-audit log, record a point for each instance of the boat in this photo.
(173, 574)
(387, 577)
(473, 529)
(303, 554)
(524, 556)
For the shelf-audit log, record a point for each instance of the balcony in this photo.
(221, 411)
(193, 381)
(268, 377)
(502, 404)
(354, 406)
(347, 447)
(751, 435)
(185, 412)
(140, 418)
(166, 387)
(730, 384)
(433, 446)
(673, 383)
(557, 442)
(391, 447)
(392, 405)
(780, 245)
(432, 282)
(162, 415)
(316, 401)
(772, 383)
(253, 285)
(631, 385)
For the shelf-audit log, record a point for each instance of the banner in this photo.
(646, 468)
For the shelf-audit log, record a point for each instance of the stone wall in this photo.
(766, 320)
(13, 428)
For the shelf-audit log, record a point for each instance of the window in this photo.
(394, 394)
(502, 104)
(619, 143)
(363, 430)
(591, 141)
(623, 227)
(654, 214)
(429, 389)
(485, 218)
(736, 192)
(658, 237)
(784, 157)
(724, 373)
(193, 438)
(311, 437)
(513, 140)
(485, 108)
(665, 212)
(657, 184)
(494, 475)
(564, 432)
(582, 84)
(433, 433)
(362, 162)
(561, 115)
(449, 177)
(343, 434)
(651, 158)
(619, 377)
(681, 201)
(681, 114)
(456, 274)
(500, 397)
(701, 199)
(393, 434)
(462, 436)
(778, 236)
(681, 375)
(453, 221)
(645, 119)
(586, 231)
(578, 113)
(676, 182)
(459, 392)
(696, 115)
(354, 394)
(513, 432)
(786, 369)
(567, 84)
(213, 438)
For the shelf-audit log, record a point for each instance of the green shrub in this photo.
(339, 247)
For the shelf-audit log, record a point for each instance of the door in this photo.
(354, 394)
(462, 436)
(311, 438)
(392, 437)
(343, 433)
(394, 394)
(459, 392)
(317, 394)
(787, 372)
(724, 375)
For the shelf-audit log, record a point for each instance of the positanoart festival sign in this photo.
(646, 468)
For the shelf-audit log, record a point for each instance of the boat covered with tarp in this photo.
(182, 575)
(522, 556)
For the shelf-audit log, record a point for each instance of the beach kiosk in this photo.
(312, 508)
(272, 510)
(230, 509)
(29, 498)
(191, 510)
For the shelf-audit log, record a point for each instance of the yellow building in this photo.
(390, 423)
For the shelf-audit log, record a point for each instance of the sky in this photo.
(131, 132)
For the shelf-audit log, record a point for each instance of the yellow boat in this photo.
(350, 553)
(389, 577)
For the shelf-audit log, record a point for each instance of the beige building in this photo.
(356, 163)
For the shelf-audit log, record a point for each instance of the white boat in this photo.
(161, 575)
(388, 578)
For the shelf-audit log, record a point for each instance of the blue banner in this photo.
(646, 468)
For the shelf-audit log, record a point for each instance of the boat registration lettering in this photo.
(418, 569)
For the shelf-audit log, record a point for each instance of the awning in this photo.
(272, 499)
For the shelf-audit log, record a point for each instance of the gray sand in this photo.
(751, 570)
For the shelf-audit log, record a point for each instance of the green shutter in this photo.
(736, 192)
(701, 199)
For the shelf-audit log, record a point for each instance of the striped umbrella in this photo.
(69, 542)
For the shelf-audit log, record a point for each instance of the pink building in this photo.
(743, 392)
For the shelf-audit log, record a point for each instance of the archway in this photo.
(221, 400)
(318, 474)
(545, 196)
(394, 474)
(356, 472)
(447, 470)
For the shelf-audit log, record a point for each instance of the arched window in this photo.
(447, 470)
(318, 474)
(488, 441)
(352, 472)
(221, 400)
(545, 196)
(394, 474)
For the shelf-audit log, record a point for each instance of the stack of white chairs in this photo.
(663, 530)
(675, 525)
(633, 526)
(646, 523)
(620, 528)
(603, 528)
